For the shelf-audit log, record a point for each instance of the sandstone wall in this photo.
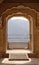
(35, 16)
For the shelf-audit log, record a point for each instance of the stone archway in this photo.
(29, 18)
(19, 11)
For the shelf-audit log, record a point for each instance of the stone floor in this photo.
(18, 53)
(32, 61)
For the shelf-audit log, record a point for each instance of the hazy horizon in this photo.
(18, 30)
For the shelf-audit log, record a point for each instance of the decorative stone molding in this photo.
(20, 7)
(20, 10)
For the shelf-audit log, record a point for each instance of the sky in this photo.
(18, 26)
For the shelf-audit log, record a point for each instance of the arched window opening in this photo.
(18, 32)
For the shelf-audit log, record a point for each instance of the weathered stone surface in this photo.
(35, 29)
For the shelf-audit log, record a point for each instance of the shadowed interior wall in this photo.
(35, 26)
